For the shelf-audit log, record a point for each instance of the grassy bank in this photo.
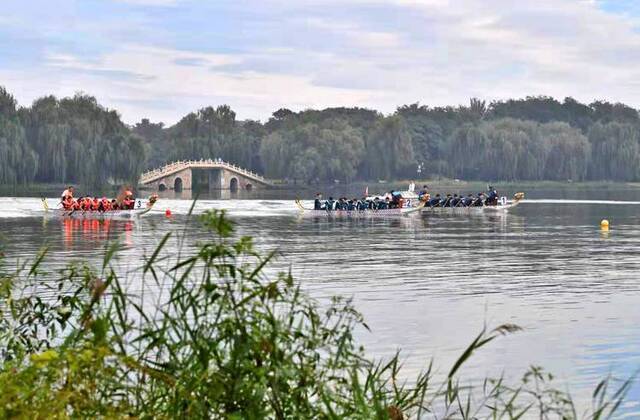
(225, 341)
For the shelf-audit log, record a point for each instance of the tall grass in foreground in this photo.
(226, 342)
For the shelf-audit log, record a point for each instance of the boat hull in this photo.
(97, 215)
(475, 209)
(405, 211)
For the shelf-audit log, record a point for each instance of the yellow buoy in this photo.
(604, 224)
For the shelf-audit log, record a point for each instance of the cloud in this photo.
(259, 56)
(150, 2)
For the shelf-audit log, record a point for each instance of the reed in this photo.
(225, 341)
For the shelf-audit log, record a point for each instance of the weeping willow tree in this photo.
(510, 149)
(615, 151)
(467, 147)
(18, 161)
(314, 152)
(389, 149)
(71, 140)
(209, 132)
(568, 154)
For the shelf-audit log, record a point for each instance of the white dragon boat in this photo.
(503, 205)
(411, 205)
(134, 213)
(414, 205)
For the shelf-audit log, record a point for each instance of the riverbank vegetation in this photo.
(213, 337)
(73, 140)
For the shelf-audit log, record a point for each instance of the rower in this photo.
(479, 202)
(128, 203)
(317, 204)
(395, 200)
(454, 201)
(435, 201)
(492, 199)
(328, 205)
(447, 201)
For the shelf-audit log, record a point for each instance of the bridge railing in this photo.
(183, 164)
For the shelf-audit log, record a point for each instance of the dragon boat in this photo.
(503, 205)
(412, 205)
(137, 212)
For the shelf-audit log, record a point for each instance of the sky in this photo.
(161, 59)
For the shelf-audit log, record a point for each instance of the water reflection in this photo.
(427, 284)
(87, 233)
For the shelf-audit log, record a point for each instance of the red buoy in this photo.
(167, 213)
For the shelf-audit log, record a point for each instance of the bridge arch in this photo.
(233, 184)
(221, 176)
(177, 184)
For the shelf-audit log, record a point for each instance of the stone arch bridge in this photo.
(214, 173)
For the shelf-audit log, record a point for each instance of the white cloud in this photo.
(355, 34)
(386, 54)
(164, 90)
(150, 2)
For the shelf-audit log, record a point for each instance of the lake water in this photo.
(428, 284)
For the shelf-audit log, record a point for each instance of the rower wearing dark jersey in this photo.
(435, 201)
(317, 204)
(467, 201)
(492, 198)
(328, 205)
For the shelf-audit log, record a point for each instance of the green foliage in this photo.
(75, 140)
(224, 341)
(616, 151)
(329, 150)
(389, 149)
(68, 140)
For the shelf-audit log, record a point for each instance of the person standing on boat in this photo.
(492, 199)
(317, 204)
(67, 197)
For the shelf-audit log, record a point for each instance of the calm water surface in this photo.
(429, 284)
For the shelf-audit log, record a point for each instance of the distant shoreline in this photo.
(43, 189)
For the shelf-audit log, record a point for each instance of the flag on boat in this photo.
(366, 191)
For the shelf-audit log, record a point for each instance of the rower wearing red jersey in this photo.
(105, 204)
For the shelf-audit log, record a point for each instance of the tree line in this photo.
(535, 138)
(70, 140)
